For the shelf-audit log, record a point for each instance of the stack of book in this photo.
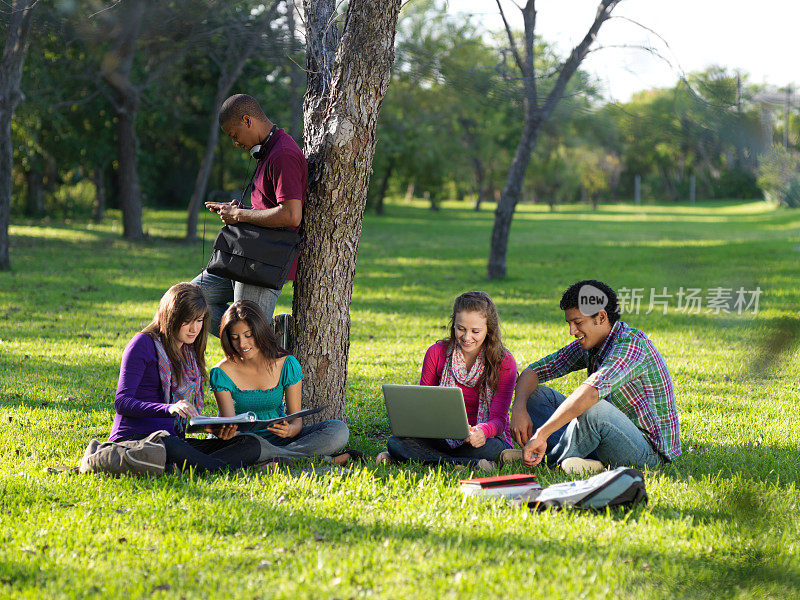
(512, 487)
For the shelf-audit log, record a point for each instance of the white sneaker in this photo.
(383, 458)
(581, 466)
(486, 465)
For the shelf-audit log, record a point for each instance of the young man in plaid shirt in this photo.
(623, 413)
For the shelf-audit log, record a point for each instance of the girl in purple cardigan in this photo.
(161, 382)
(474, 359)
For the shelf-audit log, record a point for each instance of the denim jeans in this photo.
(603, 432)
(427, 450)
(209, 454)
(220, 292)
(321, 439)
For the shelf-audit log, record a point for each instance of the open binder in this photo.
(245, 422)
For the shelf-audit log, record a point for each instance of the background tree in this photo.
(17, 21)
(158, 34)
(447, 117)
(64, 130)
(239, 34)
(536, 114)
(779, 176)
(416, 144)
(349, 72)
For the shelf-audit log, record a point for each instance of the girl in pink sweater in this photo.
(474, 359)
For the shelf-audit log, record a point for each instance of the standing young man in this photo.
(623, 413)
(279, 190)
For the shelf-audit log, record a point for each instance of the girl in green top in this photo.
(258, 375)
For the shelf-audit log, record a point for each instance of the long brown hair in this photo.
(493, 349)
(264, 336)
(183, 302)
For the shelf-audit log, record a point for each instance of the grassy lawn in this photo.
(722, 521)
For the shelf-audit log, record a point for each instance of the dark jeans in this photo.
(427, 450)
(210, 454)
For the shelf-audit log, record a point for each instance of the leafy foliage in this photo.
(779, 176)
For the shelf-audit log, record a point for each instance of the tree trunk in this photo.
(384, 186)
(6, 179)
(203, 174)
(433, 199)
(34, 206)
(99, 180)
(535, 115)
(130, 194)
(346, 85)
(504, 212)
(20, 15)
(117, 72)
(480, 181)
(410, 192)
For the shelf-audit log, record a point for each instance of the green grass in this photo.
(721, 523)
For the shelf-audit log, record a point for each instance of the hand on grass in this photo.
(533, 452)
(285, 430)
(476, 437)
(183, 409)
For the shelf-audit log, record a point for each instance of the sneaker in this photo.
(510, 455)
(581, 466)
(486, 466)
(384, 458)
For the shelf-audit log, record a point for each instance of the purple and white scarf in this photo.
(190, 388)
(455, 372)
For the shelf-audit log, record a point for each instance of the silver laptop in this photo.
(426, 411)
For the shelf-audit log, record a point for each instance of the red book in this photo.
(499, 481)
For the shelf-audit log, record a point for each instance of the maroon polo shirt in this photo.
(281, 175)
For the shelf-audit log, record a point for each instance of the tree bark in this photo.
(116, 72)
(346, 84)
(16, 46)
(130, 193)
(535, 115)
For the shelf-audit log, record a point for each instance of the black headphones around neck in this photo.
(259, 150)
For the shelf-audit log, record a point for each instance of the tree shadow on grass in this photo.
(757, 463)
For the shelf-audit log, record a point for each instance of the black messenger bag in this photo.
(259, 256)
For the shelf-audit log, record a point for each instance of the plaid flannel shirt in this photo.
(628, 372)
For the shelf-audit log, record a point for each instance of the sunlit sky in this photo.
(759, 38)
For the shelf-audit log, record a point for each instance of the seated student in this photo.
(161, 385)
(257, 375)
(474, 359)
(623, 413)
